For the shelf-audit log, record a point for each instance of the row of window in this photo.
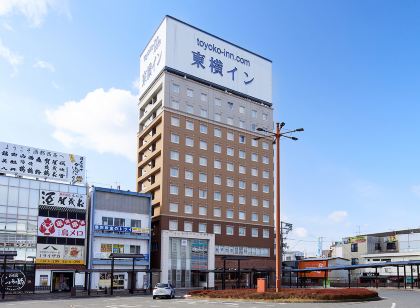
(112, 221)
(217, 132)
(217, 229)
(218, 102)
(119, 248)
(202, 177)
(217, 195)
(217, 212)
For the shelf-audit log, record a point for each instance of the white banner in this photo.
(187, 49)
(62, 199)
(61, 227)
(39, 163)
(59, 254)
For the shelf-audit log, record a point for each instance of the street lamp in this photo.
(277, 134)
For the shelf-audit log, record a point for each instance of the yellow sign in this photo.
(59, 261)
(139, 230)
(357, 239)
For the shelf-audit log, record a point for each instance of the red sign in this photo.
(61, 227)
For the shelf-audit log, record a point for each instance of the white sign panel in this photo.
(62, 199)
(184, 48)
(39, 163)
(61, 227)
(59, 254)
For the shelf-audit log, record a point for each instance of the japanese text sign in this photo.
(61, 227)
(59, 254)
(62, 199)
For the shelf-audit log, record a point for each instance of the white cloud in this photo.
(33, 10)
(12, 58)
(415, 189)
(7, 27)
(300, 232)
(337, 216)
(44, 65)
(104, 121)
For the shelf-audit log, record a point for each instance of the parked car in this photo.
(163, 290)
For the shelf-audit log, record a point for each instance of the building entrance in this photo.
(62, 281)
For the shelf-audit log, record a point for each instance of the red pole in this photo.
(278, 231)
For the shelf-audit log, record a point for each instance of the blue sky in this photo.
(346, 71)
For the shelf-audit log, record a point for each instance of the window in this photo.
(242, 200)
(189, 175)
(242, 169)
(135, 223)
(174, 121)
(265, 145)
(202, 194)
(254, 187)
(217, 196)
(354, 247)
(241, 124)
(229, 121)
(242, 231)
(254, 232)
(134, 249)
(253, 127)
(230, 105)
(108, 221)
(266, 233)
(254, 113)
(230, 182)
(202, 210)
(173, 207)
(203, 128)
(218, 102)
(264, 116)
(217, 180)
(266, 203)
(119, 222)
(175, 105)
(241, 109)
(254, 143)
(229, 167)
(391, 246)
(174, 155)
(254, 217)
(202, 227)
(203, 145)
(217, 229)
(377, 247)
(190, 109)
(241, 215)
(189, 192)
(229, 213)
(254, 202)
(189, 158)
(188, 226)
(266, 218)
(242, 184)
(242, 154)
(190, 93)
(189, 125)
(188, 209)
(217, 132)
(354, 261)
(229, 198)
(217, 212)
(217, 164)
(254, 172)
(203, 97)
(254, 157)
(175, 88)
(173, 189)
(217, 148)
(242, 139)
(230, 151)
(202, 177)
(229, 230)
(203, 161)
(174, 172)
(217, 117)
(230, 136)
(203, 113)
(266, 174)
(173, 225)
(189, 142)
(174, 138)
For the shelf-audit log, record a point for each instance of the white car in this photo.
(163, 290)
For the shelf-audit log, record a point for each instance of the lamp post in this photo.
(277, 134)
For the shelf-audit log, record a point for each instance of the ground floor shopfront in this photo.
(58, 280)
(100, 278)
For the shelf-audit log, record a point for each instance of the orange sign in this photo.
(313, 264)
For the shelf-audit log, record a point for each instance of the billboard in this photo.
(62, 199)
(61, 227)
(59, 254)
(189, 50)
(40, 163)
(313, 264)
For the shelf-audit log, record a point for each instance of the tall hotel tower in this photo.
(201, 102)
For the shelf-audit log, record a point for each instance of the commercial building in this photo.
(43, 214)
(323, 277)
(119, 223)
(200, 155)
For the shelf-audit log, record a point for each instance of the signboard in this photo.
(357, 239)
(60, 227)
(59, 254)
(62, 199)
(39, 163)
(121, 229)
(313, 264)
(189, 50)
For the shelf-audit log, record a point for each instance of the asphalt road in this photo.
(391, 299)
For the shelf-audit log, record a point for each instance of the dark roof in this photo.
(389, 233)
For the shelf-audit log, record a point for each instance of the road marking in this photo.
(393, 305)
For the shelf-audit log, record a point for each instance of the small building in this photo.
(119, 223)
(323, 277)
